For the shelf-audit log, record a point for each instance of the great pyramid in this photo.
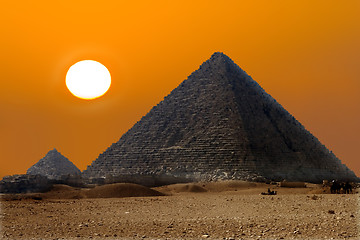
(220, 124)
(53, 166)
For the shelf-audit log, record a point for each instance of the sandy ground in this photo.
(228, 210)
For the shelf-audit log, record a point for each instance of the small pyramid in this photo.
(53, 166)
(220, 124)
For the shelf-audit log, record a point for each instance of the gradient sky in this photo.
(305, 54)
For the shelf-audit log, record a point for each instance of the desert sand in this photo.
(217, 210)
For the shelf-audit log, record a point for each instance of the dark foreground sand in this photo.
(230, 210)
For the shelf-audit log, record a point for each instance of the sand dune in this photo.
(231, 185)
(63, 192)
(119, 190)
(242, 187)
(181, 188)
(215, 187)
(116, 190)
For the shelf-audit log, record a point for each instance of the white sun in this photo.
(88, 79)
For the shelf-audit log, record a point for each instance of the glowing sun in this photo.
(88, 79)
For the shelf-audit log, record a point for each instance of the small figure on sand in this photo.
(269, 192)
(340, 187)
(335, 187)
(347, 188)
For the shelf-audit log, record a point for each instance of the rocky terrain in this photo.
(219, 210)
(220, 124)
(23, 183)
(53, 166)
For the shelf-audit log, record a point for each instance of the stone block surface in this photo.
(220, 124)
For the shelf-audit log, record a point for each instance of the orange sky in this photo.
(306, 54)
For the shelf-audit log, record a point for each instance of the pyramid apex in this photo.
(219, 63)
(53, 165)
(219, 55)
(54, 150)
